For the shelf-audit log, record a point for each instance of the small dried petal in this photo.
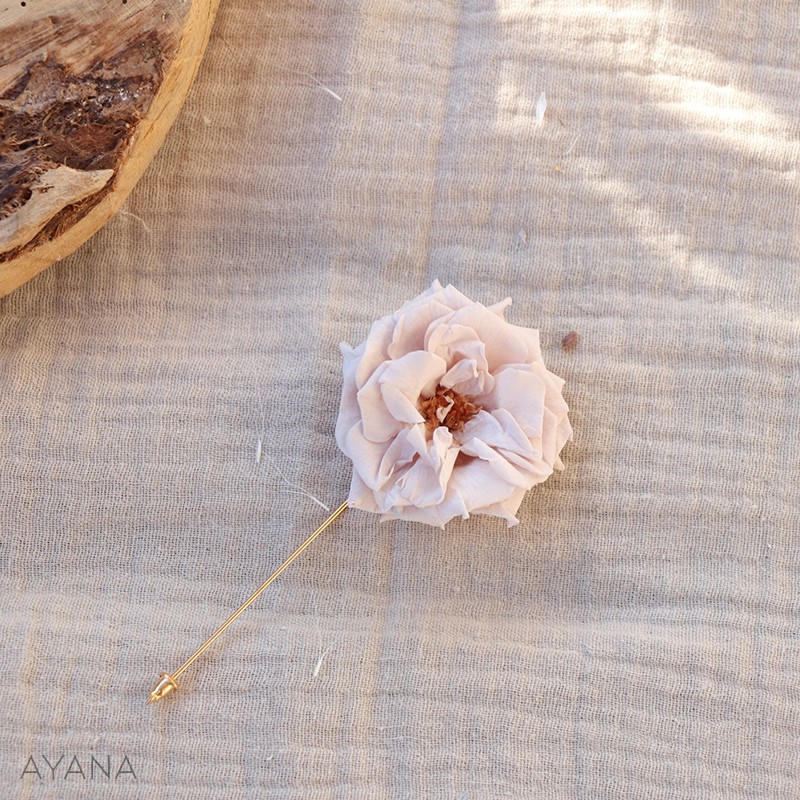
(570, 341)
(541, 107)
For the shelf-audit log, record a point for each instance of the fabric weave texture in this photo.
(637, 634)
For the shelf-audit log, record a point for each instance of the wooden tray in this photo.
(88, 91)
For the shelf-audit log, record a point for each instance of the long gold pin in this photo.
(167, 683)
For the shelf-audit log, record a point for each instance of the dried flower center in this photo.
(447, 407)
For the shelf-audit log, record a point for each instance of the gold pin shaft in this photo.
(167, 683)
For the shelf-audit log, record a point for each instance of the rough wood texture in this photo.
(88, 92)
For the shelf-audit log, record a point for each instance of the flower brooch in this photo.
(447, 410)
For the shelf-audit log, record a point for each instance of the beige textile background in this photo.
(636, 636)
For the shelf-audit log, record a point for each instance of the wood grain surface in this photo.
(88, 92)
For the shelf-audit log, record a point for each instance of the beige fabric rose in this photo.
(448, 410)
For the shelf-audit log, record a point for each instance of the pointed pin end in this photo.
(165, 685)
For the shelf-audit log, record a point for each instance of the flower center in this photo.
(447, 407)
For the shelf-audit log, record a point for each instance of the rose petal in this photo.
(398, 456)
(507, 509)
(415, 469)
(461, 372)
(453, 342)
(365, 455)
(379, 424)
(349, 412)
(553, 385)
(563, 435)
(446, 295)
(510, 473)
(409, 332)
(439, 515)
(413, 318)
(361, 496)
(478, 484)
(549, 426)
(451, 297)
(499, 309)
(522, 394)
(405, 380)
(374, 349)
(498, 429)
(530, 337)
(432, 449)
(421, 485)
(468, 379)
(503, 343)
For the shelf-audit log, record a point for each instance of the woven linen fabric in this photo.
(636, 635)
